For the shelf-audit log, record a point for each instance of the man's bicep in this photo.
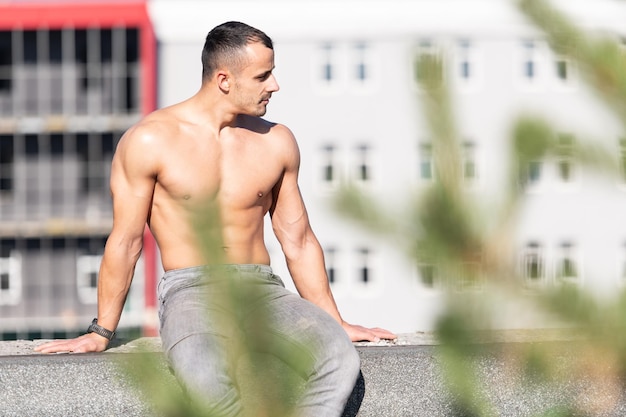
(289, 217)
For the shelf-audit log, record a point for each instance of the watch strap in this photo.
(97, 329)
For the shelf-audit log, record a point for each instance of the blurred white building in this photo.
(349, 94)
(75, 74)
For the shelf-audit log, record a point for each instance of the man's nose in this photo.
(273, 85)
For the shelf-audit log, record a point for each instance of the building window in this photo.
(328, 64)
(87, 267)
(531, 174)
(534, 172)
(565, 162)
(567, 267)
(530, 57)
(6, 62)
(465, 69)
(562, 69)
(564, 72)
(533, 263)
(96, 152)
(10, 278)
(426, 169)
(364, 272)
(361, 67)
(56, 174)
(331, 268)
(363, 168)
(469, 162)
(328, 67)
(329, 170)
(69, 71)
(467, 75)
(6, 163)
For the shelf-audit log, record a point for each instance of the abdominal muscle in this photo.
(183, 245)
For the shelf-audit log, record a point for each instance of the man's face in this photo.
(254, 83)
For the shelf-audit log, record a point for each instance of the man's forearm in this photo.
(311, 281)
(115, 277)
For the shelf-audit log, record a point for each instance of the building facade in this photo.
(350, 95)
(71, 83)
(73, 77)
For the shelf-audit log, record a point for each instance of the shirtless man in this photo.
(215, 146)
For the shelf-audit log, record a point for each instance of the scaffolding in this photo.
(69, 87)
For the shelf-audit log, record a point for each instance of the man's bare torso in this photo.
(200, 174)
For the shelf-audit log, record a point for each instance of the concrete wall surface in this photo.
(399, 379)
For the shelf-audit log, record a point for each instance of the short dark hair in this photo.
(224, 44)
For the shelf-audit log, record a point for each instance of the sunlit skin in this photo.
(213, 146)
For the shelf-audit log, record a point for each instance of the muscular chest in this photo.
(241, 174)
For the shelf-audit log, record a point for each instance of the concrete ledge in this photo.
(402, 379)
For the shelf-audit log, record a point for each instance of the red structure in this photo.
(49, 16)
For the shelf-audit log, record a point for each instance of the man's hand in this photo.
(90, 342)
(360, 333)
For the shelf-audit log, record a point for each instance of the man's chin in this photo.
(257, 112)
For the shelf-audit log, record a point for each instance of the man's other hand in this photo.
(90, 342)
(359, 333)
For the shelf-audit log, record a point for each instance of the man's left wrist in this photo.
(99, 330)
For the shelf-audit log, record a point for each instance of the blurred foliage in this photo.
(447, 229)
(600, 59)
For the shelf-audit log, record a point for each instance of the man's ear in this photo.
(223, 81)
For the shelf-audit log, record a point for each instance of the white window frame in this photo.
(330, 255)
(331, 55)
(363, 56)
(530, 51)
(530, 185)
(328, 155)
(530, 64)
(362, 162)
(570, 83)
(12, 265)
(470, 155)
(533, 253)
(336, 258)
(467, 54)
(329, 161)
(568, 158)
(568, 252)
(366, 257)
(425, 159)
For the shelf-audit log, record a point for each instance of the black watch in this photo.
(97, 329)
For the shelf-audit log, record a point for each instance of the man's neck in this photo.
(212, 111)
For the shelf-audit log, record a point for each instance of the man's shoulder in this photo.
(158, 124)
(260, 125)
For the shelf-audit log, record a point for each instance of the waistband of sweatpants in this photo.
(218, 269)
